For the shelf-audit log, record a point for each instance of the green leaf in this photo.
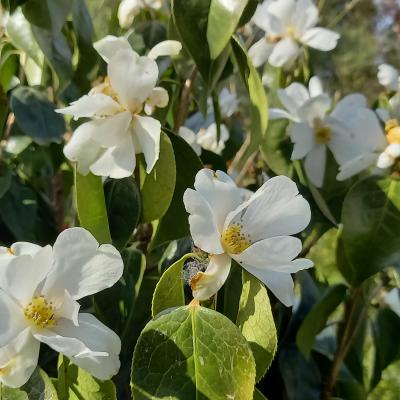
(39, 387)
(91, 206)
(74, 383)
(277, 148)
(371, 228)
(258, 395)
(35, 115)
(258, 98)
(5, 180)
(386, 328)
(223, 19)
(256, 322)
(157, 188)
(174, 224)
(193, 34)
(123, 204)
(192, 353)
(316, 319)
(170, 288)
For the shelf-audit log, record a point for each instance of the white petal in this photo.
(293, 97)
(260, 51)
(101, 367)
(12, 318)
(147, 132)
(207, 138)
(82, 148)
(81, 266)
(315, 85)
(284, 53)
(158, 98)
(66, 307)
(110, 45)
(267, 21)
(388, 76)
(383, 114)
(392, 299)
(132, 77)
(20, 248)
(302, 136)
(110, 131)
(355, 166)
(320, 39)
(393, 150)
(384, 161)
(127, 11)
(276, 113)
(90, 105)
(205, 285)
(315, 107)
(346, 106)
(275, 209)
(165, 48)
(315, 164)
(221, 193)
(190, 137)
(203, 226)
(18, 359)
(24, 273)
(305, 16)
(280, 283)
(116, 162)
(276, 254)
(283, 9)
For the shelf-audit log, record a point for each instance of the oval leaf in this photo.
(91, 206)
(256, 322)
(191, 353)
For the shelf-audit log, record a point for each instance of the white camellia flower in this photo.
(389, 77)
(348, 131)
(255, 233)
(107, 144)
(129, 9)
(39, 289)
(384, 151)
(207, 138)
(288, 24)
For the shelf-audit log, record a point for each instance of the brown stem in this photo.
(345, 343)
(185, 100)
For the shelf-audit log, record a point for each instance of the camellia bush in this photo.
(192, 203)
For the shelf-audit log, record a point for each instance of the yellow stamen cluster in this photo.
(322, 132)
(273, 39)
(10, 251)
(234, 241)
(5, 370)
(40, 313)
(392, 130)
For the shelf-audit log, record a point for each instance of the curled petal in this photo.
(165, 48)
(110, 45)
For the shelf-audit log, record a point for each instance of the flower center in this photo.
(273, 39)
(392, 130)
(322, 132)
(40, 313)
(10, 251)
(234, 241)
(291, 32)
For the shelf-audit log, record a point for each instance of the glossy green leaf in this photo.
(91, 206)
(192, 353)
(169, 290)
(316, 319)
(223, 19)
(258, 395)
(258, 97)
(371, 228)
(386, 327)
(175, 224)
(5, 180)
(157, 188)
(35, 115)
(39, 387)
(256, 322)
(74, 383)
(123, 204)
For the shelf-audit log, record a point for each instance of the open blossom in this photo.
(347, 131)
(107, 144)
(39, 289)
(129, 9)
(288, 24)
(384, 151)
(389, 77)
(206, 138)
(255, 233)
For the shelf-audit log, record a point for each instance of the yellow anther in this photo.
(40, 313)
(5, 370)
(322, 132)
(291, 31)
(234, 241)
(392, 130)
(273, 39)
(10, 251)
